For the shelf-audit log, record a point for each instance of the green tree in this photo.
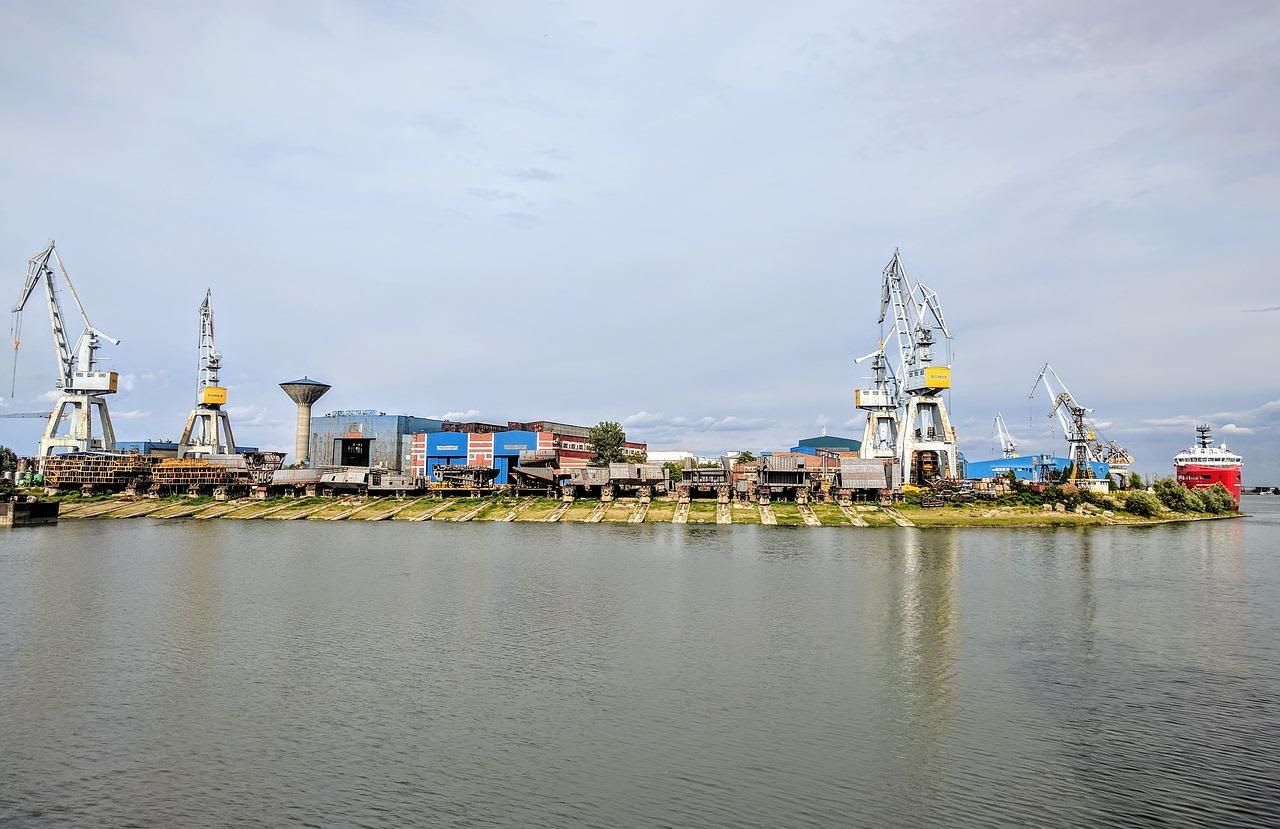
(745, 456)
(675, 469)
(8, 460)
(606, 440)
(1141, 503)
(1135, 480)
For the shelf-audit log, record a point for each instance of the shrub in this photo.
(1177, 497)
(1141, 503)
(1217, 499)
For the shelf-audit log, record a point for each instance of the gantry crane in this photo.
(926, 439)
(1071, 415)
(81, 386)
(208, 429)
(1008, 446)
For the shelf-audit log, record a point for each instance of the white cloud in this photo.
(1233, 429)
(469, 414)
(131, 414)
(253, 416)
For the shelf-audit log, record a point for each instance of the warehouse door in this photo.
(354, 451)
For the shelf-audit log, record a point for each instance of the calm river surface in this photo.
(221, 673)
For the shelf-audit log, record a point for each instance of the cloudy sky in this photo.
(670, 214)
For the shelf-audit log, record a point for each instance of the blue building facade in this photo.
(1025, 467)
(497, 450)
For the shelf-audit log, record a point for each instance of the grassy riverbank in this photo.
(508, 508)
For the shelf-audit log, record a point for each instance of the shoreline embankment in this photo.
(622, 511)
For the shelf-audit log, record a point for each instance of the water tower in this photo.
(304, 392)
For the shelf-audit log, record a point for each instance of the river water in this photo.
(221, 673)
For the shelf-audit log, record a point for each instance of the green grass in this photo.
(830, 515)
(457, 508)
(877, 518)
(580, 511)
(539, 509)
(787, 513)
(301, 504)
(660, 512)
(746, 513)
(497, 509)
(421, 508)
(702, 512)
(620, 511)
(253, 508)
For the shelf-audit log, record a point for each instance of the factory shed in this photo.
(366, 438)
(810, 446)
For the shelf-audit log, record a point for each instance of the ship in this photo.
(1203, 465)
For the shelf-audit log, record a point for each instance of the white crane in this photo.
(80, 384)
(208, 429)
(880, 402)
(1081, 437)
(1008, 446)
(927, 444)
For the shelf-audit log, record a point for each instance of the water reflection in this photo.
(920, 658)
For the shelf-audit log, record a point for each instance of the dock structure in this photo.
(706, 481)
(28, 513)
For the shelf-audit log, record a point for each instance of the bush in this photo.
(1142, 503)
(1176, 497)
(1217, 499)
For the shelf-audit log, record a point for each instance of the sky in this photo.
(672, 215)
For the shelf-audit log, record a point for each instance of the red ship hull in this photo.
(1200, 476)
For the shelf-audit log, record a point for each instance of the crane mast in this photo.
(880, 402)
(208, 428)
(80, 384)
(1008, 446)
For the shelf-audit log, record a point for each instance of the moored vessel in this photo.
(1203, 465)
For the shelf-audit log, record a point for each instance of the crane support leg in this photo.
(928, 441)
(78, 410)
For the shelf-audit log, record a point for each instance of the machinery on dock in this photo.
(208, 429)
(906, 413)
(81, 386)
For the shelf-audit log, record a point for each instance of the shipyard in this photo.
(367, 464)
(700, 415)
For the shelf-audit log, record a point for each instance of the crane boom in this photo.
(1008, 446)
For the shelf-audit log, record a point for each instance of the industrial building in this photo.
(427, 452)
(543, 441)
(1028, 468)
(831, 443)
(365, 437)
